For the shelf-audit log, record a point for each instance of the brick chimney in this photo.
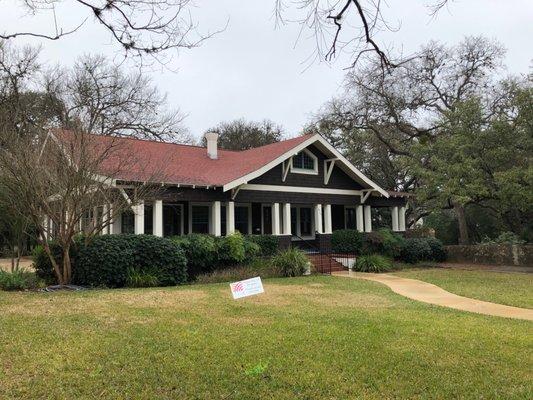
(212, 147)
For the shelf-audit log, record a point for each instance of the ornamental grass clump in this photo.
(373, 263)
(291, 262)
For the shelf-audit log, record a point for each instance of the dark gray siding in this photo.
(338, 180)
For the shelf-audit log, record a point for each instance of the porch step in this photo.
(322, 262)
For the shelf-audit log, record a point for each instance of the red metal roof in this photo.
(171, 163)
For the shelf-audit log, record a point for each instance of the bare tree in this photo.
(142, 28)
(105, 99)
(65, 182)
(350, 25)
(54, 173)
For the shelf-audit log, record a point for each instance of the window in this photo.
(305, 162)
(200, 219)
(172, 219)
(267, 219)
(148, 220)
(305, 222)
(350, 218)
(241, 219)
(128, 222)
(223, 223)
(302, 221)
(294, 221)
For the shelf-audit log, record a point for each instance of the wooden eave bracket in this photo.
(328, 169)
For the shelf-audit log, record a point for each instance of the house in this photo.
(300, 189)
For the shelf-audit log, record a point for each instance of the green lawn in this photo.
(514, 289)
(305, 338)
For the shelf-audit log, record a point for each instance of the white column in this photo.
(275, 219)
(394, 214)
(359, 218)
(401, 219)
(368, 219)
(327, 218)
(287, 219)
(157, 215)
(216, 221)
(46, 227)
(230, 217)
(112, 223)
(139, 218)
(318, 218)
(105, 219)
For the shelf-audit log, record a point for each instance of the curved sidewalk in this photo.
(429, 293)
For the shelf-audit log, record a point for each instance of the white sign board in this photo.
(247, 287)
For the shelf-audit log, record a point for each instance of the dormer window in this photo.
(305, 162)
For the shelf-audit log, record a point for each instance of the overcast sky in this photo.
(254, 71)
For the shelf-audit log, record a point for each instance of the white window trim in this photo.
(305, 171)
(298, 228)
(182, 217)
(205, 204)
(269, 205)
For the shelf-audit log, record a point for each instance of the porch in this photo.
(302, 221)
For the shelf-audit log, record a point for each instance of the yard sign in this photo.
(247, 287)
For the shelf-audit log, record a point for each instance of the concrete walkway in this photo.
(428, 293)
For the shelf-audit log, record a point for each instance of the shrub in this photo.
(268, 244)
(231, 249)
(505, 238)
(415, 250)
(391, 243)
(19, 280)
(136, 278)
(42, 264)
(438, 252)
(105, 261)
(290, 262)
(251, 250)
(373, 263)
(108, 260)
(346, 241)
(373, 243)
(200, 252)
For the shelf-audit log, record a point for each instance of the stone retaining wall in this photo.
(495, 254)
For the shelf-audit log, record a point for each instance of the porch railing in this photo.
(324, 259)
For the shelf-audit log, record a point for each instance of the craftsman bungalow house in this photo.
(299, 189)
(295, 188)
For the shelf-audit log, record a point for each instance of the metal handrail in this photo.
(312, 245)
(318, 250)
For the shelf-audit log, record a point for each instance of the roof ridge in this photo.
(193, 145)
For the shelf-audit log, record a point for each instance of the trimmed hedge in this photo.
(422, 249)
(268, 244)
(383, 241)
(200, 252)
(347, 241)
(108, 261)
(206, 253)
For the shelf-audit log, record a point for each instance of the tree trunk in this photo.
(57, 270)
(67, 266)
(461, 219)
